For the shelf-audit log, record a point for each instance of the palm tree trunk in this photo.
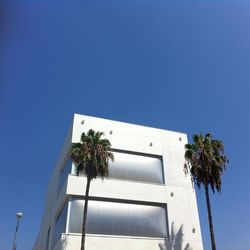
(85, 211)
(210, 218)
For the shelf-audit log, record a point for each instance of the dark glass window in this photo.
(48, 239)
(64, 174)
(60, 224)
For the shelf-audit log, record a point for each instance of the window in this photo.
(60, 223)
(136, 167)
(48, 239)
(114, 218)
(64, 174)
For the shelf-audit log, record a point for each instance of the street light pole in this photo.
(18, 216)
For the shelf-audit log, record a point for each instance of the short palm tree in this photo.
(91, 157)
(206, 161)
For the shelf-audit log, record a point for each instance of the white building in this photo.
(133, 209)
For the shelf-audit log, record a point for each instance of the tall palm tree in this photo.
(91, 157)
(206, 161)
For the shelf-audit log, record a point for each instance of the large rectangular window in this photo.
(135, 167)
(113, 218)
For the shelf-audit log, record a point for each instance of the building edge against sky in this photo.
(134, 208)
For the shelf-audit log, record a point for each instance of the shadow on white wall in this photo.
(175, 240)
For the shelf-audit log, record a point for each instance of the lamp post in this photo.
(18, 216)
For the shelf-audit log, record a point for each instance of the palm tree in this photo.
(91, 157)
(206, 161)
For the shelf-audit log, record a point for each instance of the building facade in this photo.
(146, 192)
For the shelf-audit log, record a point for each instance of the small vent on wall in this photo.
(172, 194)
(82, 122)
(151, 144)
(110, 132)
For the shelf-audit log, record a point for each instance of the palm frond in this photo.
(206, 161)
(91, 156)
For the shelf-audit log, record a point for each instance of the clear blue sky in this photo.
(178, 65)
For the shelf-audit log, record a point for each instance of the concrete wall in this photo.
(106, 243)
